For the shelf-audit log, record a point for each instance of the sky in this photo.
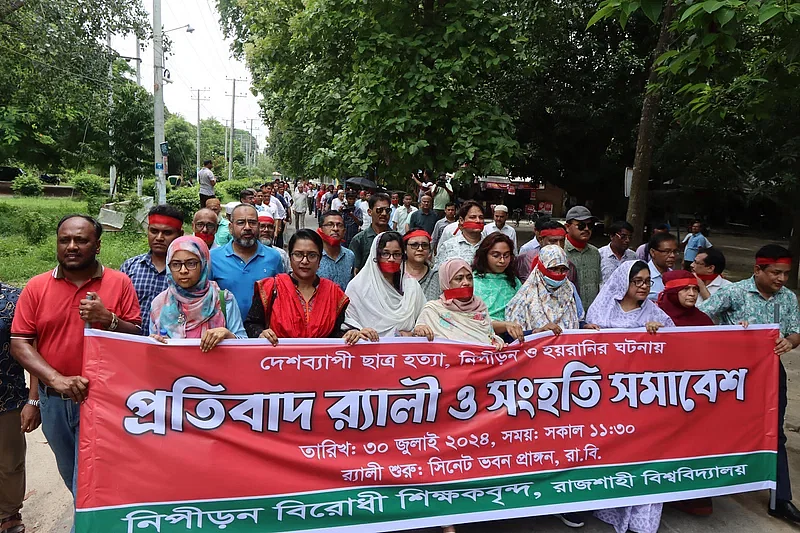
(197, 60)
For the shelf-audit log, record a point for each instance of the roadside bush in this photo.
(28, 185)
(187, 199)
(88, 185)
(37, 227)
(94, 203)
(232, 188)
(149, 187)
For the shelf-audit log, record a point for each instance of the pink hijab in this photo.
(447, 272)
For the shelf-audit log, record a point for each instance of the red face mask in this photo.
(460, 293)
(476, 226)
(395, 202)
(332, 241)
(207, 238)
(707, 277)
(389, 268)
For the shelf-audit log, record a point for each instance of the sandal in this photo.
(12, 524)
(449, 529)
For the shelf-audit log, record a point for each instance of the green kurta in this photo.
(587, 264)
(496, 292)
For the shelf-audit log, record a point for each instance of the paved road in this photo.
(48, 506)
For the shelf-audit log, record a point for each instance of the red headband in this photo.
(770, 261)
(416, 233)
(165, 220)
(556, 232)
(680, 283)
(266, 219)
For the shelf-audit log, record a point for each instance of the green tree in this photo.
(182, 138)
(379, 87)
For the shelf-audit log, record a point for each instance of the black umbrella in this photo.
(364, 183)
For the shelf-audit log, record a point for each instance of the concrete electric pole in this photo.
(199, 99)
(233, 96)
(158, 107)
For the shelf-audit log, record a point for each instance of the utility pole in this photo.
(112, 171)
(158, 108)
(226, 142)
(250, 157)
(138, 69)
(233, 96)
(199, 99)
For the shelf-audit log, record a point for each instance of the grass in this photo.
(20, 260)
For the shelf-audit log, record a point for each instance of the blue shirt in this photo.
(147, 281)
(339, 270)
(231, 272)
(694, 242)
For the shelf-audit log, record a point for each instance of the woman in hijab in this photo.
(679, 297)
(300, 304)
(622, 303)
(458, 314)
(678, 300)
(193, 307)
(496, 281)
(384, 302)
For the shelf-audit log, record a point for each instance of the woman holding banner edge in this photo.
(622, 303)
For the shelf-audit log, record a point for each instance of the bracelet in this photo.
(34, 403)
(114, 322)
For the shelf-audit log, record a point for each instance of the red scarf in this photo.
(669, 303)
(288, 318)
(580, 245)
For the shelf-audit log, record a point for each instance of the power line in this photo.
(203, 20)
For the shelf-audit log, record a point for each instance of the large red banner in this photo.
(316, 435)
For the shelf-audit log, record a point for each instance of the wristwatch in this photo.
(114, 322)
(34, 403)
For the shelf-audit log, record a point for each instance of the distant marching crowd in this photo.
(376, 266)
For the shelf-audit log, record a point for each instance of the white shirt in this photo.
(506, 230)
(402, 217)
(529, 246)
(450, 231)
(299, 202)
(366, 220)
(205, 178)
(609, 261)
(275, 205)
(714, 286)
(336, 204)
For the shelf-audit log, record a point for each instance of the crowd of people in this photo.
(374, 267)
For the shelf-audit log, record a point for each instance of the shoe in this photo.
(786, 510)
(574, 519)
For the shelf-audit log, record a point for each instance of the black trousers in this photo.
(784, 484)
(203, 199)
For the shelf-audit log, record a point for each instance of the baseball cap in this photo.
(579, 212)
(502, 208)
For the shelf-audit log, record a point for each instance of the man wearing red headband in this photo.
(465, 244)
(148, 272)
(763, 299)
(266, 225)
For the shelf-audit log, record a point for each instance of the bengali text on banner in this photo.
(314, 435)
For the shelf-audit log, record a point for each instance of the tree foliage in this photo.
(380, 87)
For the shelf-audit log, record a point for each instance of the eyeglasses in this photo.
(311, 257)
(667, 252)
(253, 222)
(190, 264)
(333, 225)
(642, 282)
(388, 255)
(382, 210)
(624, 236)
(498, 255)
(419, 245)
(208, 226)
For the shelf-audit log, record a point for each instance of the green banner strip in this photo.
(372, 509)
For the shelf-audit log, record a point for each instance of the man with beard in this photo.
(337, 261)
(47, 330)
(583, 255)
(663, 253)
(274, 209)
(379, 212)
(204, 227)
(148, 272)
(243, 261)
(266, 226)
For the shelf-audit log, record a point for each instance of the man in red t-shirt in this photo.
(47, 331)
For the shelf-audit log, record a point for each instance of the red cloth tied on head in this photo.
(265, 219)
(555, 232)
(165, 220)
(769, 261)
(416, 233)
(668, 301)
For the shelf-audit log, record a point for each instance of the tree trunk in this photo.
(794, 246)
(637, 203)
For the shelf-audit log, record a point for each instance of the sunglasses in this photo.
(584, 225)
